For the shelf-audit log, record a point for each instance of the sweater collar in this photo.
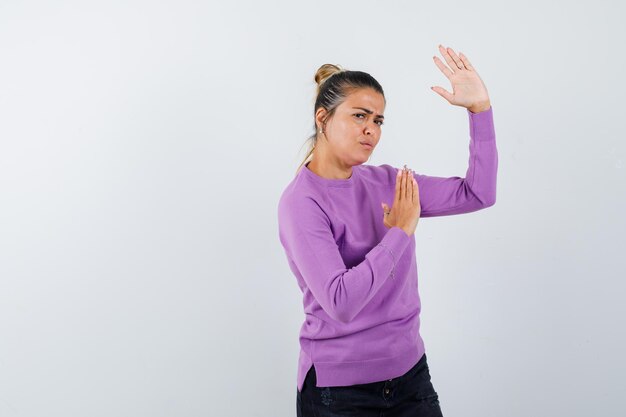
(328, 182)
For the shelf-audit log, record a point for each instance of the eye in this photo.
(379, 122)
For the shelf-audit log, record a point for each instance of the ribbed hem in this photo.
(332, 374)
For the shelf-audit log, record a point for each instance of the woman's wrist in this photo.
(480, 107)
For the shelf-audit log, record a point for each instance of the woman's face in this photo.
(355, 125)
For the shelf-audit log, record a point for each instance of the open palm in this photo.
(468, 89)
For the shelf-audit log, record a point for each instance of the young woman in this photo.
(353, 255)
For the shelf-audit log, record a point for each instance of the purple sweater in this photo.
(359, 278)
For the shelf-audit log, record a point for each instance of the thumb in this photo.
(443, 93)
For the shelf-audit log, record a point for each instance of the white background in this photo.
(143, 149)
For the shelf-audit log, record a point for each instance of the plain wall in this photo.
(143, 149)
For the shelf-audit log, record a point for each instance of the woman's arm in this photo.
(444, 196)
(305, 233)
(440, 196)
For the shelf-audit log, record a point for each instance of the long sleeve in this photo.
(306, 234)
(441, 196)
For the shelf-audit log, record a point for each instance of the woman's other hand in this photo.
(406, 208)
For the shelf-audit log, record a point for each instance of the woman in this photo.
(354, 256)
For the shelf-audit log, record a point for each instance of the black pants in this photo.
(411, 394)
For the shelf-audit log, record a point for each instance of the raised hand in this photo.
(468, 89)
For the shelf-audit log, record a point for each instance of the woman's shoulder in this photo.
(299, 196)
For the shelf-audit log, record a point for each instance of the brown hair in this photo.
(334, 85)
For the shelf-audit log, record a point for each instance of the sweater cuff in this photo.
(481, 125)
(396, 240)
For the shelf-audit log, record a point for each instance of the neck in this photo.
(326, 169)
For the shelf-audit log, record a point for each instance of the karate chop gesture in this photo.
(468, 90)
(406, 209)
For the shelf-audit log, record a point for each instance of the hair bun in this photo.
(325, 72)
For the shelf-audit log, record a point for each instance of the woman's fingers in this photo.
(398, 185)
(457, 61)
(406, 189)
(466, 61)
(446, 55)
(445, 70)
(406, 186)
(409, 185)
(403, 185)
(401, 196)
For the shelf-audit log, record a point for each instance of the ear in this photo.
(320, 114)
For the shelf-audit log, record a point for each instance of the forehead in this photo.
(367, 98)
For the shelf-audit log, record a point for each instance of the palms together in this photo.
(468, 89)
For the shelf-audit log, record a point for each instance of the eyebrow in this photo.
(368, 111)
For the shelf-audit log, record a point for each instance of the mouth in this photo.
(366, 145)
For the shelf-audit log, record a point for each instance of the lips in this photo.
(367, 145)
